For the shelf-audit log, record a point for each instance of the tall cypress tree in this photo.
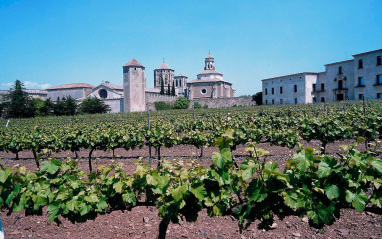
(161, 86)
(17, 102)
(168, 89)
(173, 89)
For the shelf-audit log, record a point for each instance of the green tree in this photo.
(65, 106)
(173, 89)
(258, 98)
(161, 105)
(168, 89)
(161, 86)
(197, 105)
(93, 106)
(17, 103)
(38, 105)
(70, 106)
(48, 107)
(181, 103)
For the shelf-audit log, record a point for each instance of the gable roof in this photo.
(211, 72)
(69, 86)
(133, 62)
(164, 66)
(209, 80)
(209, 56)
(180, 75)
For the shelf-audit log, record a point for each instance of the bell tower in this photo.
(209, 62)
(134, 84)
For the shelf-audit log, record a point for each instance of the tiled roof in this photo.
(180, 75)
(164, 66)
(207, 81)
(209, 56)
(69, 86)
(133, 62)
(212, 72)
(113, 86)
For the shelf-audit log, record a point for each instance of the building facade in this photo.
(134, 96)
(355, 79)
(209, 83)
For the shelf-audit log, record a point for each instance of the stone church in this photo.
(133, 95)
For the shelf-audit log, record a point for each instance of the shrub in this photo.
(181, 103)
(258, 97)
(93, 106)
(161, 105)
(197, 105)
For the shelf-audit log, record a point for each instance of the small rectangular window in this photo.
(281, 89)
(322, 87)
(360, 64)
(295, 100)
(295, 88)
(360, 81)
(273, 91)
(314, 100)
(379, 79)
(273, 101)
(266, 91)
(379, 60)
(266, 102)
(379, 95)
(360, 96)
(340, 70)
(281, 101)
(322, 99)
(314, 87)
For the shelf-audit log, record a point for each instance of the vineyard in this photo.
(311, 183)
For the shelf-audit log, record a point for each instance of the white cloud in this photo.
(27, 85)
(6, 86)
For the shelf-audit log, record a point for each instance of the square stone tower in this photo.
(134, 84)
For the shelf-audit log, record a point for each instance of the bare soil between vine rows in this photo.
(143, 222)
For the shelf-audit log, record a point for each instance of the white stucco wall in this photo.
(369, 73)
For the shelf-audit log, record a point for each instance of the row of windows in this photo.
(361, 82)
(361, 96)
(379, 62)
(281, 90)
(315, 99)
(340, 85)
(295, 101)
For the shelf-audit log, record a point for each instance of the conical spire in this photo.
(209, 56)
(133, 62)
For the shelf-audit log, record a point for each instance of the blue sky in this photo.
(45, 42)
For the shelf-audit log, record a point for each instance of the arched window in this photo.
(102, 93)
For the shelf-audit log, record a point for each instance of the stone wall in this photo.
(224, 102)
(116, 105)
(210, 102)
(153, 97)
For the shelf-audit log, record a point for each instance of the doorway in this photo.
(340, 97)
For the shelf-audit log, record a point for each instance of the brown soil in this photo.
(143, 222)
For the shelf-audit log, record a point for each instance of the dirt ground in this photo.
(142, 222)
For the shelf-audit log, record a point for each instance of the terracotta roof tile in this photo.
(73, 85)
(164, 66)
(113, 86)
(207, 81)
(212, 72)
(209, 56)
(133, 62)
